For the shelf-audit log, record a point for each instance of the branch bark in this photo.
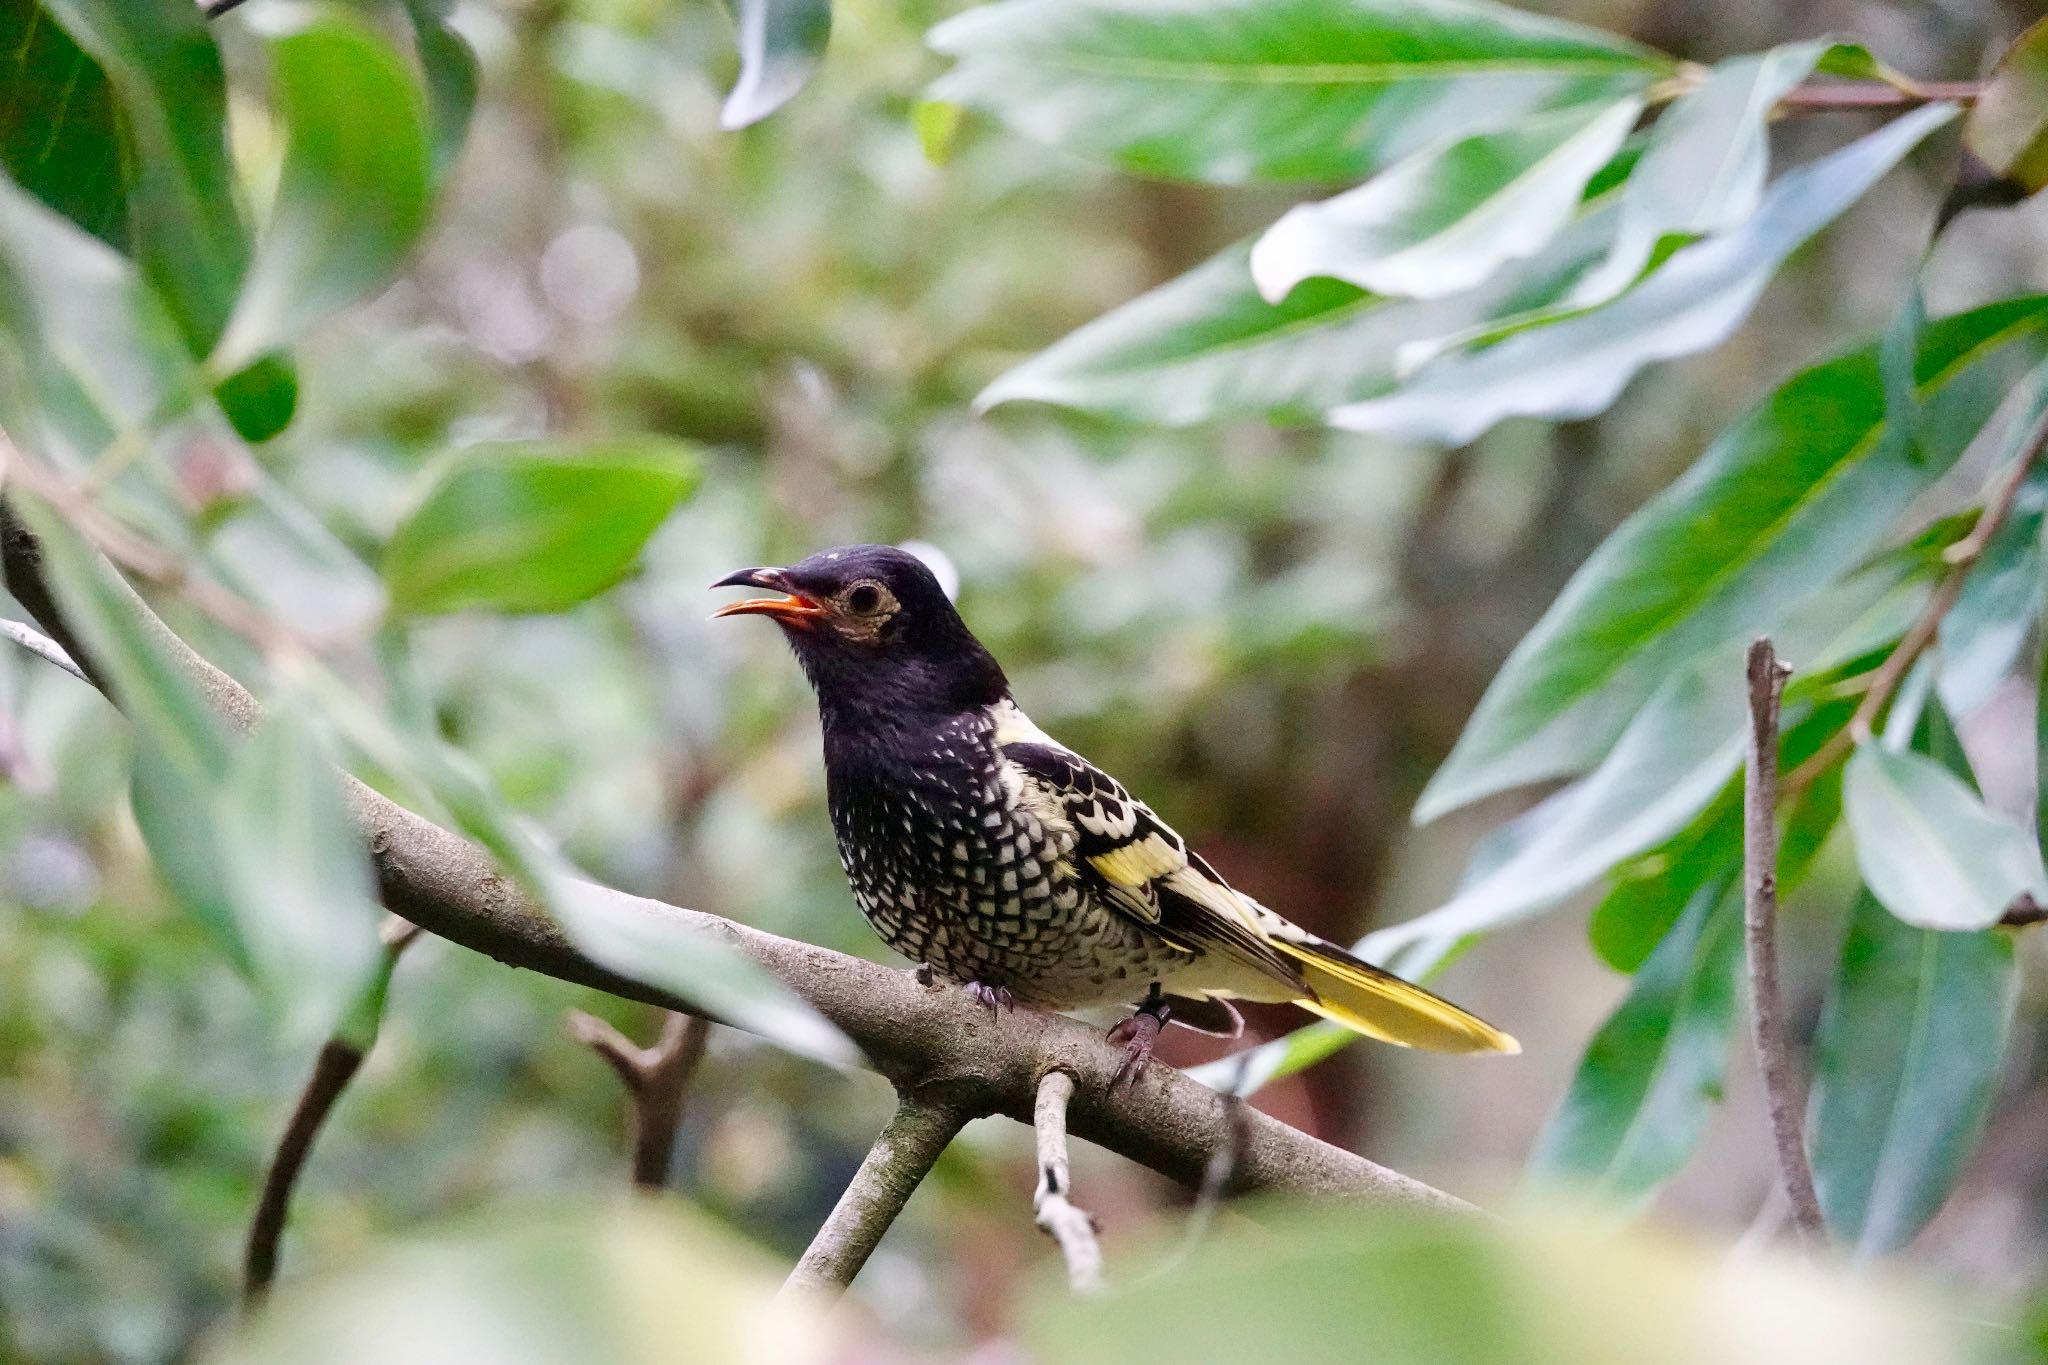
(896, 1165)
(655, 1078)
(1785, 1097)
(1052, 1206)
(916, 1036)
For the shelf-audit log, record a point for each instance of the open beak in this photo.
(793, 609)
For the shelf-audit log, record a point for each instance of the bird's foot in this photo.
(1136, 1035)
(925, 975)
(995, 998)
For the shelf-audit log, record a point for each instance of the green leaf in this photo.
(1274, 89)
(781, 44)
(1905, 1061)
(1443, 219)
(532, 528)
(1578, 366)
(1651, 892)
(1929, 849)
(1984, 634)
(60, 136)
(1642, 1093)
(1703, 170)
(352, 195)
(1207, 345)
(451, 71)
(260, 398)
(186, 226)
(1364, 1281)
(2008, 126)
(1663, 771)
(1776, 510)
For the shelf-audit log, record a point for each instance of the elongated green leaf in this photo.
(353, 193)
(781, 44)
(1650, 893)
(1274, 89)
(1930, 851)
(2008, 126)
(521, 527)
(166, 76)
(1664, 770)
(1908, 1052)
(1984, 634)
(60, 136)
(1640, 1098)
(1442, 220)
(1578, 366)
(450, 68)
(1778, 508)
(1207, 345)
(1704, 168)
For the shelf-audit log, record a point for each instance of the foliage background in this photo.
(1275, 635)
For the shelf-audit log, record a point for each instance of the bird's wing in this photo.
(1139, 865)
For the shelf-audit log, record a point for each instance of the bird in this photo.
(988, 853)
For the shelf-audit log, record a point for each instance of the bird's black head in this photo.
(875, 633)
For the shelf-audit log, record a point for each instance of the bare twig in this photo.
(1063, 1220)
(911, 1034)
(1783, 1093)
(1961, 558)
(42, 646)
(339, 1060)
(903, 1155)
(214, 9)
(1823, 95)
(655, 1079)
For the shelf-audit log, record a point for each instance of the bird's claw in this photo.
(996, 999)
(1137, 1034)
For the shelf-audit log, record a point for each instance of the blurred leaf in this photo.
(1663, 771)
(60, 135)
(1543, 1288)
(938, 128)
(1704, 168)
(781, 44)
(450, 69)
(1908, 1052)
(1640, 1098)
(1443, 219)
(185, 223)
(1578, 366)
(1983, 635)
(260, 398)
(1930, 850)
(535, 528)
(1777, 509)
(352, 195)
(2008, 125)
(1274, 89)
(1208, 345)
(622, 1282)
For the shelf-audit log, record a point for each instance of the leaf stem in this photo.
(1784, 1095)
(1828, 95)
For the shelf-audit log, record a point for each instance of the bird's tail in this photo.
(1383, 1006)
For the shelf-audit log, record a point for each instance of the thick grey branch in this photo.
(896, 1165)
(1066, 1222)
(918, 1036)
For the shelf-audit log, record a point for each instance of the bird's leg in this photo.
(1137, 1034)
(996, 998)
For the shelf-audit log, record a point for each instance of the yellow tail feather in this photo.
(1381, 1005)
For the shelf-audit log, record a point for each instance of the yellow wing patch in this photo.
(1140, 861)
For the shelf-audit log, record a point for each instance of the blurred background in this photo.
(1274, 636)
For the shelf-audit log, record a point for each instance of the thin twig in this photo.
(43, 647)
(1961, 557)
(903, 1155)
(1822, 95)
(214, 9)
(1783, 1093)
(1064, 1221)
(339, 1060)
(656, 1079)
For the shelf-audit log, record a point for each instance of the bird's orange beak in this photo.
(793, 609)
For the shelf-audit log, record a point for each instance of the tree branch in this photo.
(1824, 95)
(1784, 1095)
(339, 1060)
(655, 1078)
(1063, 1220)
(916, 1036)
(896, 1165)
(43, 647)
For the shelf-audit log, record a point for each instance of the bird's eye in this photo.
(864, 597)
